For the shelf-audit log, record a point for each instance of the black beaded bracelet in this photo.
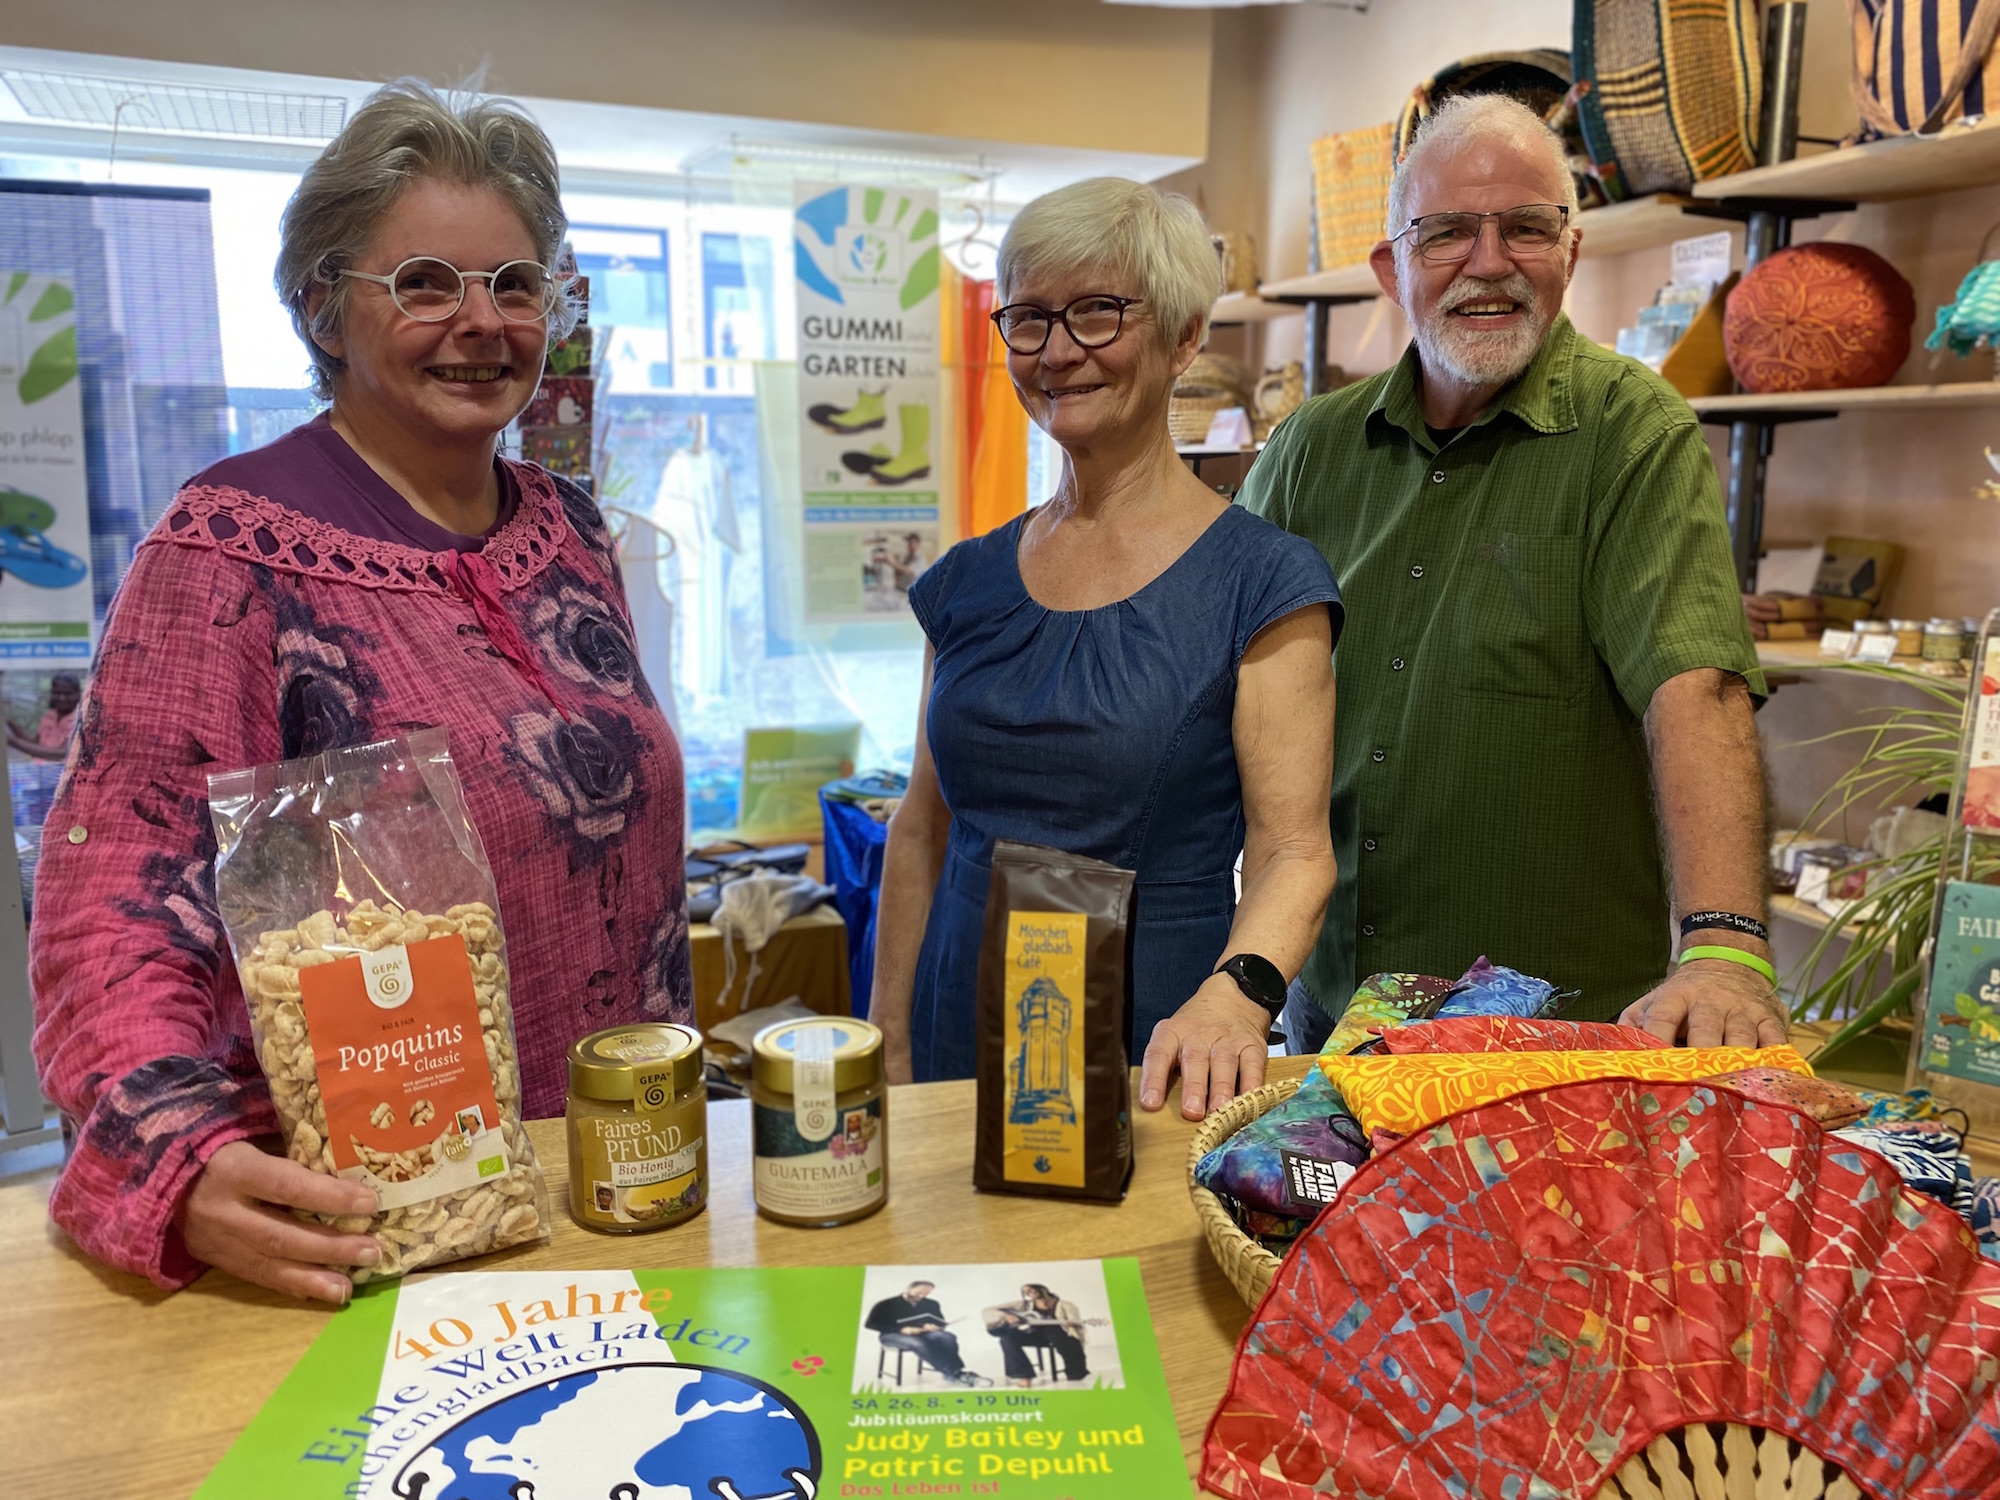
(1727, 921)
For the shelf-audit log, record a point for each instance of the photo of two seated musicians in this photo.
(914, 1321)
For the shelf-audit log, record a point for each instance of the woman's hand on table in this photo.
(237, 1218)
(1220, 1041)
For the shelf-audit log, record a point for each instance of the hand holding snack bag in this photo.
(362, 912)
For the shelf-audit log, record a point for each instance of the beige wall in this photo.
(1045, 72)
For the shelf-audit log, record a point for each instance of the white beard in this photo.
(1475, 356)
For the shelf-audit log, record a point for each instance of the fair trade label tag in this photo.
(812, 1083)
(386, 975)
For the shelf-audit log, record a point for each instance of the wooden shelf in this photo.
(1611, 230)
(1245, 307)
(1964, 393)
(1794, 910)
(1640, 225)
(1804, 656)
(1352, 282)
(1902, 167)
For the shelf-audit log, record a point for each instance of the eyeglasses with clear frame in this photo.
(431, 290)
(1531, 229)
(1092, 322)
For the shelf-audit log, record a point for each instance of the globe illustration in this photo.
(625, 1432)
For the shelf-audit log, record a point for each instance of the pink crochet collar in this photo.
(257, 529)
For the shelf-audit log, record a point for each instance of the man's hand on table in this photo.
(236, 1218)
(1220, 1042)
(1710, 1002)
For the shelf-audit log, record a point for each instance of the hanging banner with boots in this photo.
(867, 271)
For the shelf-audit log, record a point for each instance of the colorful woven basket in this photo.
(1247, 1264)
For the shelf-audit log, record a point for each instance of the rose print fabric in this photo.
(249, 632)
(1405, 1094)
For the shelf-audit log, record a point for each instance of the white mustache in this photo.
(1515, 288)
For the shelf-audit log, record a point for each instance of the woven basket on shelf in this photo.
(1703, 1458)
(1247, 1264)
(1212, 383)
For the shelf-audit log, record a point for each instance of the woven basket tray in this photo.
(1247, 1264)
(1703, 1458)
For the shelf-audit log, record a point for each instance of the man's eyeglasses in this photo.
(1092, 322)
(1531, 229)
(432, 290)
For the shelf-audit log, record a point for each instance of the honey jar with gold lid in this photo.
(638, 1128)
(819, 1121)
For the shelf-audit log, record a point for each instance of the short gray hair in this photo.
(1460, 120)
(1128, 229)
(408, 132)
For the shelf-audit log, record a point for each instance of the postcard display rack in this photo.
(1955, 1052)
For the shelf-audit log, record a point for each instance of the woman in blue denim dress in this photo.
(1136, 671)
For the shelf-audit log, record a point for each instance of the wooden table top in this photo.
(109, 1386)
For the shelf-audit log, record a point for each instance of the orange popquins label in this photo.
(403, 1073)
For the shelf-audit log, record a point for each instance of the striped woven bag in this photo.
(1669, 90)
(1919, 64)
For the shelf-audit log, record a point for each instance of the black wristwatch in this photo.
(1258, 978)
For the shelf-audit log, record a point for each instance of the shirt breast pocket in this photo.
(1520, 618)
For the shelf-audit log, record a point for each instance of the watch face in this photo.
(1258, 978)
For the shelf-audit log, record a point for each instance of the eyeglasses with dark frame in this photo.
(1531, 229)
(432, 290)
(1092, 321)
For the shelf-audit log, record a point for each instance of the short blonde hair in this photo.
(1460, 120)
(1128, 229)
(408, 132)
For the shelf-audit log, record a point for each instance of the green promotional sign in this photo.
(783, 770)
(1027, 1382)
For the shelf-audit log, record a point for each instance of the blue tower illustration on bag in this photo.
(1041, 1063)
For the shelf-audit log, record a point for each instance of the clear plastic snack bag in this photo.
(362, 912)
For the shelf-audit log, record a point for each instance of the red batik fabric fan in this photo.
(1513, 1303)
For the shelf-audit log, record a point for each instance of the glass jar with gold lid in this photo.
(819, 1122)
(638, 1128)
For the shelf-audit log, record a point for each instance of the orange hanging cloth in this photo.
(999, 488)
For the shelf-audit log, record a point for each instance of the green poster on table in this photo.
(783, 770)
(786, 1384)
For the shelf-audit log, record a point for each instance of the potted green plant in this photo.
(1904, 749)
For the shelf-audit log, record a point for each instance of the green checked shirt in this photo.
(1513, 600)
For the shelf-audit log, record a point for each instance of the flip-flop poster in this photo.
(870, 403)
(44, 502)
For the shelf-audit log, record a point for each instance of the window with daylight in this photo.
(697, 433)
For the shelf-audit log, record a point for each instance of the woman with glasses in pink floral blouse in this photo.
(378, 570)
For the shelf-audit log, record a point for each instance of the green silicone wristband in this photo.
(1735, 956)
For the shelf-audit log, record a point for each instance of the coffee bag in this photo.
(1053, 1008)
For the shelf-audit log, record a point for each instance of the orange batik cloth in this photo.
(1408, 1093)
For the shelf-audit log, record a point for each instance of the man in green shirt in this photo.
(1546, 678)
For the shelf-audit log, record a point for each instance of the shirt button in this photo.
(78, 834)
(1437, 476)
(1369, 845)
(1379, 756)
(1368, 932)
(1416, 570)
(1396, 665)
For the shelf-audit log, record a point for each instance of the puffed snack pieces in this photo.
(362, 912)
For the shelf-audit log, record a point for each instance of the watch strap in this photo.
(1259, 978)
